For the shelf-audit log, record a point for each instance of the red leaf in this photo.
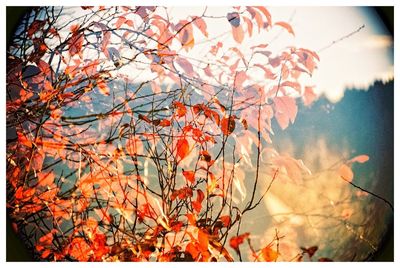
(197, 206)
(35, 26)
(286, 26)
(76, 41)
(346, 173)
(200, 196)
(226, 220)
(228, 125)
(180, 109)
(164, 123)
(360, 159)
(182, 148)
(236, 241)
(189, 175)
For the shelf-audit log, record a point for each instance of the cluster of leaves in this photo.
(109, 166)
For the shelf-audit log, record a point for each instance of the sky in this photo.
(355, 61)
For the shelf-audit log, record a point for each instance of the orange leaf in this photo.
(360, 159)
(203, 240)
(346, 173)
(193, 250)
(228, 125)
(238, 34)
(164, 123)
(182, 148)
(192, 219)
(268, 254)
(189, 175)
(180, 108)
(197, 206)
(236, 241)
(266, 14)
(45, 178)
(22, 139)
(226, 220)
(286, 26)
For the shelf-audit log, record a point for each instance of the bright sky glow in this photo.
(357, 60)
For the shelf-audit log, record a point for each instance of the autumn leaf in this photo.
(201, 25)
(180, 109)
(22, 139)
(268, 254)
(182, 148)
(226, 220)
(286, 26)
(35, 26)
(203, 240)
(228, 125)
(309, 96)
(238, 34)
(346, 173)
(75, 43)
(285, 110)
(266, 14)
(236, 241)
(360, 159)
(189, 175)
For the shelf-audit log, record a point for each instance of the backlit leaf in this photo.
(309, 96)
(182, 148)
(360, 159)
(346, 173)
(189, 175)
(236, 241)
(203, 240)
(286, 26)
(285, 110)
(238, 34)
(201, 25)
